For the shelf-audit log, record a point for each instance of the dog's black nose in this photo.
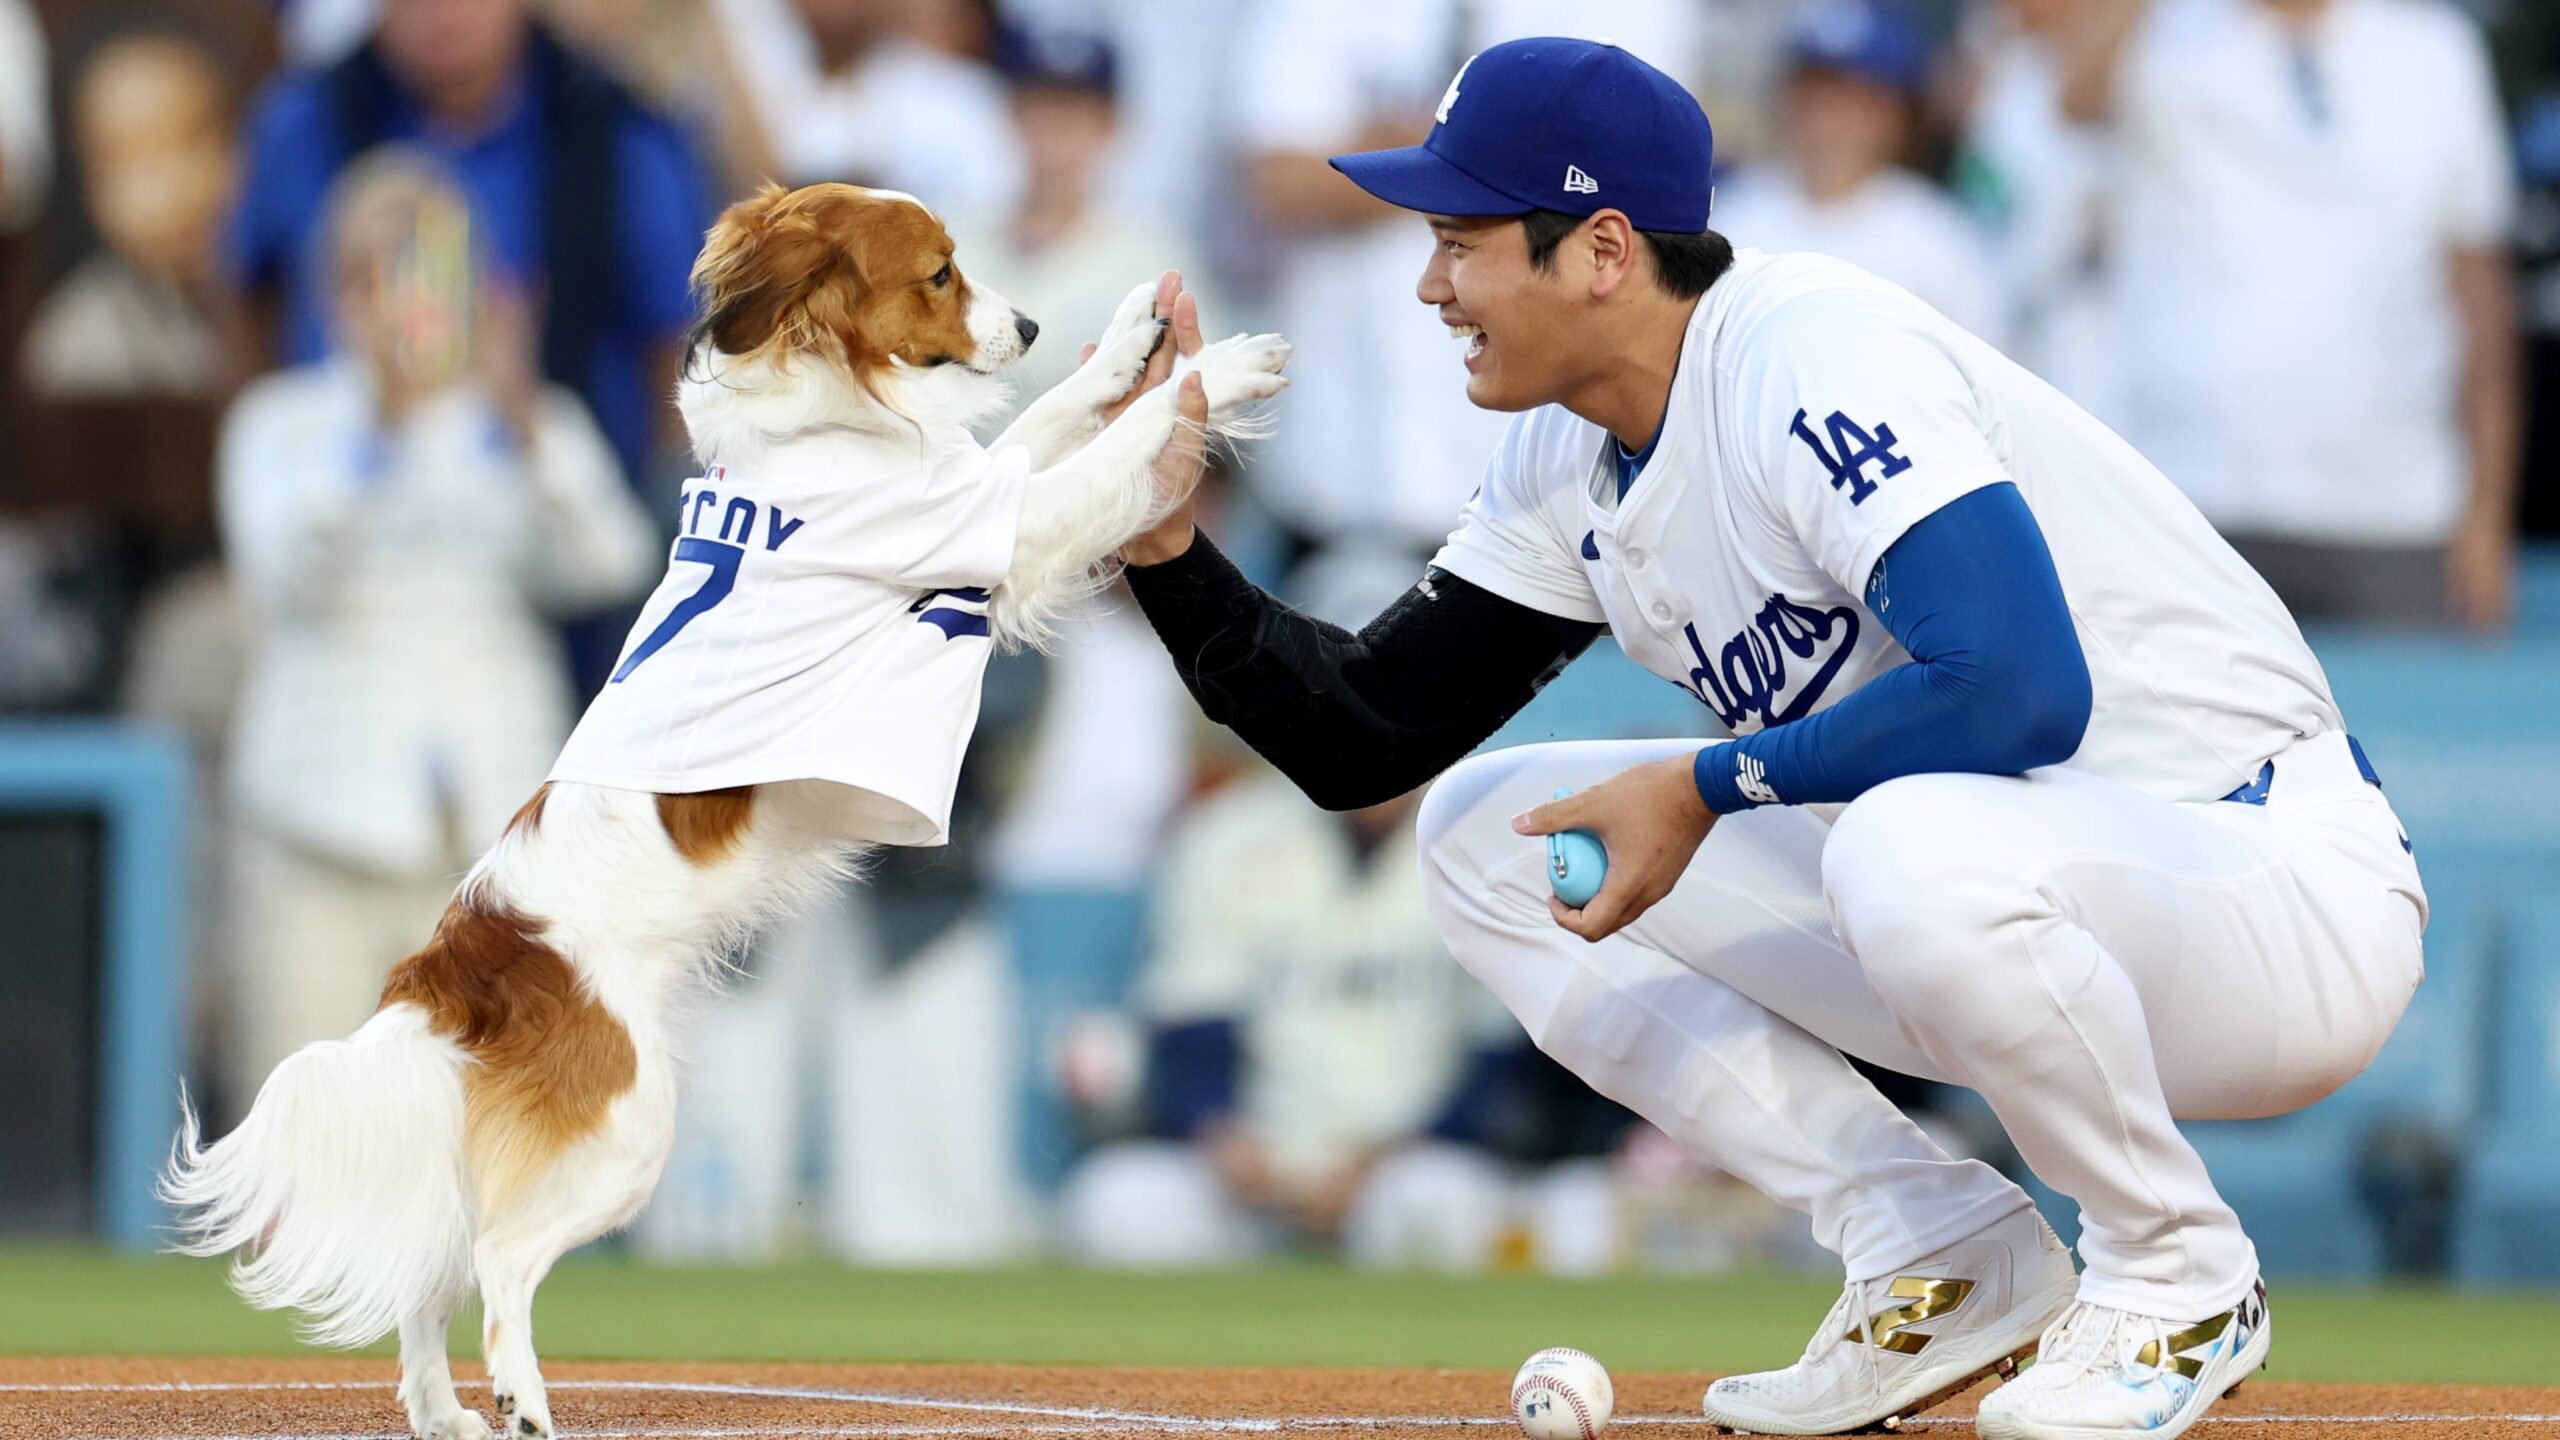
(1027, 328)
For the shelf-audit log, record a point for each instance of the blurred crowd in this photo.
(341, 334)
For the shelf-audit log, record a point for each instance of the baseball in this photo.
(1562, 1394)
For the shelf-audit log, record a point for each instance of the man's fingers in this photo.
(1568, 813)
(1167, 287)
(1183, 451)
(1186, 323)
(1087, 352)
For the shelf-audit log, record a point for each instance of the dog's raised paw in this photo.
(1116, 366)
(1241, 370)
(1134, 313)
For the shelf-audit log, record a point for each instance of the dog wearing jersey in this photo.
(798, 690)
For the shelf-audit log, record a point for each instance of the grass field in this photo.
(83, 1302)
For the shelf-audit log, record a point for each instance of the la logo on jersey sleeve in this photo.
(1851, 451)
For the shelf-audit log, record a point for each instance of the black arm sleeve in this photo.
(1353, 719)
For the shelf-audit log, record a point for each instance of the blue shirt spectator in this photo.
(590, 200)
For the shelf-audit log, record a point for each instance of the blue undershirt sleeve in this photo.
(1996, 685)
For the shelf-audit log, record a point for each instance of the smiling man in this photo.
(2037, 788)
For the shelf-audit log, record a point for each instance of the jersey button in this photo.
(1661, 610)
(1635, 559)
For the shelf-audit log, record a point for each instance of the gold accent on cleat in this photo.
(1885, 1329)
(2194, 1337)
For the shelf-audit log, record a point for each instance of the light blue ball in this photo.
(1576, 864)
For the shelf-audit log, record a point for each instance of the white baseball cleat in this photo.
(1894, 1346)
(2109, 1374)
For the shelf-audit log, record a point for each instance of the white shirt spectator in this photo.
(2287, 204)
(403, 676)
(2043, 182)
(1897, 225)
(1108, 764)
(1353, 1022)
(1380, 440)
(904, 117)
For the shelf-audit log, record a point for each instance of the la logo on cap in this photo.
(1577, 182)
(1441, 115)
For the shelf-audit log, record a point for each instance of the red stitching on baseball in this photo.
(1581, 1413)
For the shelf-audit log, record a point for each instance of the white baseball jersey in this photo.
(823, 617)
(1354, 1024)
(1819, 413)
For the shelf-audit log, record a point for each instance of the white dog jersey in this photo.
(823, 617)
(1791, 458)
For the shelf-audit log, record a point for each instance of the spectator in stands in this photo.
(1839, 187)
(844, 91)
(153, 115)
(2039, 183)
(1287, 944)
(398, 516)
(131, 348)
(1381, 444)
(1307, 1024)
(1067, 252)
(2312, 204)
(586, 198)
(674, 54)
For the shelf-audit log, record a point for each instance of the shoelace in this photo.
(1850, 1321)
(2088, 1334)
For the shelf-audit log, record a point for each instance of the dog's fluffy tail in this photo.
(345, 1189)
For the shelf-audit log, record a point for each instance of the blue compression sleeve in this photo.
(1997, 683)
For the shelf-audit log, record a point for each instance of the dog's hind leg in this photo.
(426, 1378)
(597, 1185)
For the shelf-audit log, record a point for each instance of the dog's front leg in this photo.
(1052, 426)
(1077, 512)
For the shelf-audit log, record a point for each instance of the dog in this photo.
(514, 1095)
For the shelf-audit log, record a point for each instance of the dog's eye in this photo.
(942, 276)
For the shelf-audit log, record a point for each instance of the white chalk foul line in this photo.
(1084, 1420)
(958, 1432)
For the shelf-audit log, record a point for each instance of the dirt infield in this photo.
(163, 1399)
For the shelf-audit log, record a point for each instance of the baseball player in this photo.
(2036, 788)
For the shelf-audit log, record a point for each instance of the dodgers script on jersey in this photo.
(822, 618)
(1818, 413)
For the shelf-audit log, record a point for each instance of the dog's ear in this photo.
(831, 316)
(758, 265)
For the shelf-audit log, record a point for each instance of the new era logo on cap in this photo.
(1523, 113)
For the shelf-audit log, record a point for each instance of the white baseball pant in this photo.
(2093, 960)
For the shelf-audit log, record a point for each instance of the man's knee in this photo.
(1460, 791)
(1919, 886)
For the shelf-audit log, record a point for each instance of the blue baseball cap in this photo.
(1052, 56)
(1575, 126)
(1873, 42)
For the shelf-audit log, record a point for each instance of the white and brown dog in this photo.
(514, 1095)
